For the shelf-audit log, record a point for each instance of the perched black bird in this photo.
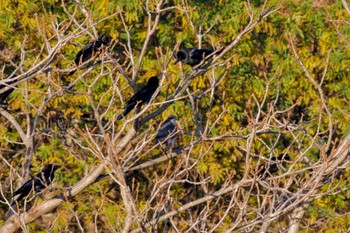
(192, 56)
(38, 182)
(91, 50)
(141, 97)
(167, 131)
(4, 95)
(272, 166)
(8, 71)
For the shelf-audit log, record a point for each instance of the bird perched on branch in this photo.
(91, 50)
(5, 94)
(167, 131)
(38, 182)
(7, 87)
(272, 166)
(192, 56)
(141, 97)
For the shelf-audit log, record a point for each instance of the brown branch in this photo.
(14, 223)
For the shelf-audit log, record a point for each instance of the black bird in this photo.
(91, 50)
(38, 182)
(167, 131)
(192, 56)
(272, 166)
(5, 94)
(8, 71)
(141, 97)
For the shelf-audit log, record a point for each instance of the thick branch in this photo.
(14, 223)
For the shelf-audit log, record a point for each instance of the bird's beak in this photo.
(176, 61)
(178, 126)
(56, 167)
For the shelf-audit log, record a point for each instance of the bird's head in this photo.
(285, 157)
(172, 118)
(153, 81)
(104, 38)
(180, 55)
(55, 167)
(51, 167)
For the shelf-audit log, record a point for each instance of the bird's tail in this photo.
(14, 201)
(121, 115)
(17, 199)
(72, 72)
(126, 111)
(15, 193)
(101, 177)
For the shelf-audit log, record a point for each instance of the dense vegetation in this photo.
(278, 85)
